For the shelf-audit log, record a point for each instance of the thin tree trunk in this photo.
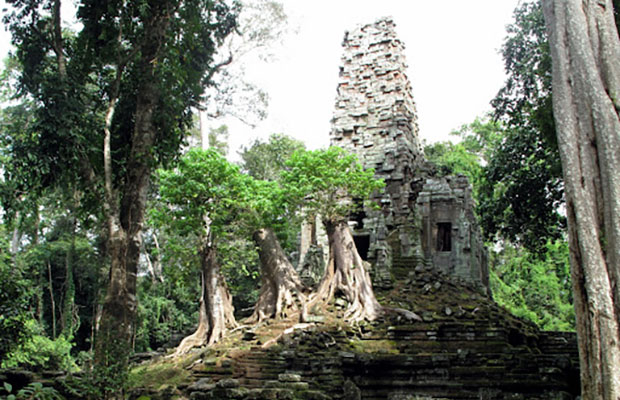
(346, 274)
(52, 302)
(586, 87)
(68, 308)
(280, 284)
(216, 309)
(16, 237)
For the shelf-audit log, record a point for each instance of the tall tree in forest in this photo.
(110, 103)
(521, 187)
(585, 50)
(198, 200)
(326, 183)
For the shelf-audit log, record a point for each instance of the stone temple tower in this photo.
(375, 115)
(375, 118)
(422, 219)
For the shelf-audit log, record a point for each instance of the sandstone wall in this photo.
(375, 118)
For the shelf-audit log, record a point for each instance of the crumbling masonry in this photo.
(429, 220)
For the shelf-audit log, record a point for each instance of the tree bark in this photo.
(346, 274)
(126, 218)
(216, 309)
(280, 284)
(69, 321)
(585, 52)
(50, 287)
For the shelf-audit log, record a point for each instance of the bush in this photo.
(535, 287)
(15, 292)
(41, 353)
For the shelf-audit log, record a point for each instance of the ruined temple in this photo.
(420, 217)
(427, 256)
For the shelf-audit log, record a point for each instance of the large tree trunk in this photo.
(125, 223)
(347, 275)
(586, 98)
(280, 284)
(216, 309)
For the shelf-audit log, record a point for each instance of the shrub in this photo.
(39, 352)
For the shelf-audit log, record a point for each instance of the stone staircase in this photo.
(466, 348)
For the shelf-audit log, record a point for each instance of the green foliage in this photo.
(164, 308)
(202, 184)
(15, 294)
(266, 160)
(522, 190)
(535, 288)
(75, 266)
(453, 159)
(39, 352)
(218, 139)
(32, 391)
(326, 182)
(240, 266)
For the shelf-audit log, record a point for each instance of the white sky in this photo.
(452, 48)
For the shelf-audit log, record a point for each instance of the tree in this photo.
(477, 142)
(112, 102)
(326, 183)
(534, 286)
(265, 160)
(267, 208)
(585, 50)
(262, 23)
(198, 199)
(14, 301)
(521, 190)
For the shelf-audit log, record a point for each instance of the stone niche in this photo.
(451, 238)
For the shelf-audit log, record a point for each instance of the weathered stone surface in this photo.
(201, 385)
(289, 378)
(312, 266)
(375, 118)
(351, 391)
(451, 238)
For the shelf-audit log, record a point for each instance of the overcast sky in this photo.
(452, 48)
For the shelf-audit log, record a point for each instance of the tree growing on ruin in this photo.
(330, 183)
(267, 210)
(585, 52)
(197, 201)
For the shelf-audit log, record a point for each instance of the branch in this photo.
(219, 66)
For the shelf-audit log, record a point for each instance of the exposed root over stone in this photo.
(346, 274)
(281, 290)
(216, 309)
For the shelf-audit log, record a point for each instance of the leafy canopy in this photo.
(203, 184)
(326, 182)
(265, 160)
(522, 189)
